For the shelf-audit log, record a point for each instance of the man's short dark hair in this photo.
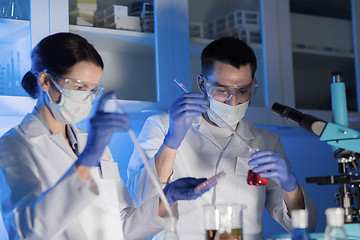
(227, 50)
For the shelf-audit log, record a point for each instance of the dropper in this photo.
(252, 150)
(145, 161)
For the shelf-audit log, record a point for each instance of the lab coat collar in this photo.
(33, 126)
(243, 128)
(199, 126)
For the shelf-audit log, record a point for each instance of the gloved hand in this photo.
(183, 189)
(102, 126)
(275, 166)
(181, 113)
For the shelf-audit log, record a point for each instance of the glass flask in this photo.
(300, 224)
(335, 224)
(170, 229)
(254, 179)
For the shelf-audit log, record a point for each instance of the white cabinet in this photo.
(212, 19)
(298, 51)
(323, 38)
(15, 47)
(141, 66)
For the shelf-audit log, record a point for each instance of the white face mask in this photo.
(230, 114)
(71, 108)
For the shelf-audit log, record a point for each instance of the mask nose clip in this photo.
(234, 101)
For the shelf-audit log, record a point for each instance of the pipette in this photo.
(145, 161)
(209, 182)
(252, 150)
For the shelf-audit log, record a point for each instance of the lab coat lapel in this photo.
(60, 141)
(81, 137)
(54, 155)
(236, 148)
(204, 131)
(52, 163)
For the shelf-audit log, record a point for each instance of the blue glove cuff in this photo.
(291, 185)
(171, 143)
(168, 196)
(88, 160)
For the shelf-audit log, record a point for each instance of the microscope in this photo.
(345, 143)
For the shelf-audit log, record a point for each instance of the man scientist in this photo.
(190, 141)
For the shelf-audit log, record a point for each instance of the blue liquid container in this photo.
(300, 224)
(300, 234)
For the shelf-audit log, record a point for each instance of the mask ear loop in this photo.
(254, 88)
(52, 83)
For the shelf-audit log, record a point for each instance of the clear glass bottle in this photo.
(335, 224)
(300, 224)
(170, 230)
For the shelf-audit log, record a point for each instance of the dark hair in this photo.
(227, 50)
(57, 53)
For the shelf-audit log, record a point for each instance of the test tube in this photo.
(209, 182)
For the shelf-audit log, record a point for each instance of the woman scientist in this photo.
(58, 182)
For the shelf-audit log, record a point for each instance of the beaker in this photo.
(223, 221)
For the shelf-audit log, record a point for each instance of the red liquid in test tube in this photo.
(255, 180)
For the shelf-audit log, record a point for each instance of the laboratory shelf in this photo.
(115, 40)
(23, 105)
(198, 44)
(13, 29)
(323, 53)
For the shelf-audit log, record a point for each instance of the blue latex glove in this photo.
(276, 167)
(181, 114)
(183, 189)
(102, 126)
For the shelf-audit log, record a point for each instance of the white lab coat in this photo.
(43, 196)
(199, 155)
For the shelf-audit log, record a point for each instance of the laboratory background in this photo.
(146, 44)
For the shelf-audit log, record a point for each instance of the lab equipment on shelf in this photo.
(243, 24)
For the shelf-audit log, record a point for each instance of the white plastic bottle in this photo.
(335, 224)
(170, 230)
(300, 224)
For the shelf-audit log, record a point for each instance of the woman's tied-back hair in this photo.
(58, 53)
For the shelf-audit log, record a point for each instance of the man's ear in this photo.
(44, 81)
(201, 82)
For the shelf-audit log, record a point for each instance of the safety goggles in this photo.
(220, 93)
(94, 90)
